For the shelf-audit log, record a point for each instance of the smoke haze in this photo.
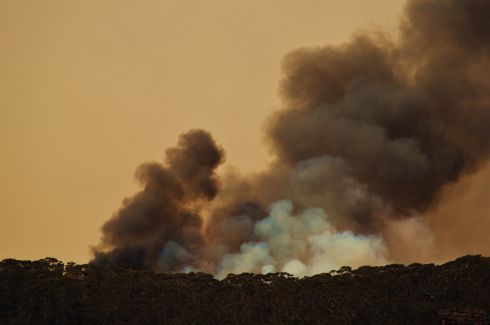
(374, 139)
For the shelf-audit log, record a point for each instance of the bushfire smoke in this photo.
(371, 135)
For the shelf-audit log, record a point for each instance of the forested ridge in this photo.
(48, 291)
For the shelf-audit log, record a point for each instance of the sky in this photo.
(91, 89)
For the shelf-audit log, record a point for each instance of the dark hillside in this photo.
(49, 292)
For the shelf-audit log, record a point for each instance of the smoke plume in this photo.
(372, 139)
(160, 226)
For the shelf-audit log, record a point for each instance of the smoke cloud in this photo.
(160, 226)
(301, 244)
(373, 137)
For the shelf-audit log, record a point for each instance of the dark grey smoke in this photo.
(406, 116)
(160, 226)
(370, 130)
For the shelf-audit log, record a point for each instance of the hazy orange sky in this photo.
(91, 89)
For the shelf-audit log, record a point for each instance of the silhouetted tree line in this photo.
(50, 292)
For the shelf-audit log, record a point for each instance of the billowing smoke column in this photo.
(160, 226)
(370, 134)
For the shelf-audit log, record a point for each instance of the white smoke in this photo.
(173, 254)
(302, 244)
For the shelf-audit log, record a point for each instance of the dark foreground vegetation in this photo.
(49, 292)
